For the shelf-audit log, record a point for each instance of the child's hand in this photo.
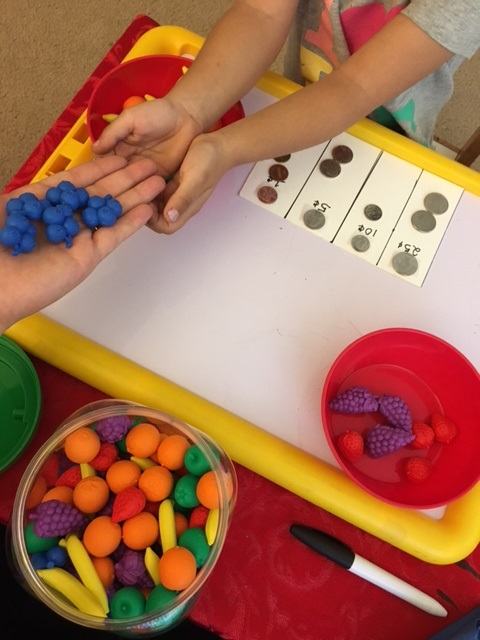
(205, 163)
(29, 282)
(158, 129)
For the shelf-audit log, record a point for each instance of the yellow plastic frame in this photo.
(443, 541)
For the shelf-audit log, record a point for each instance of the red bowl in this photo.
(432, 377)
(154, 75)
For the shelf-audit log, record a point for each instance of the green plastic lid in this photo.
(20, 401)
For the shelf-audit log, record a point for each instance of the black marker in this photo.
(342, 555)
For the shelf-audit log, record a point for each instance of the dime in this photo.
(373, 212)
(423, 221)
(405, 264)
(314, 219)
(360, 243)
(278, 172)
(435, 203)
(267, 195)
(330, 168)
(342, 154)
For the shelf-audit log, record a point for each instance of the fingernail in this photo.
(172, 215)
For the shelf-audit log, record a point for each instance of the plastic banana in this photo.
(211, 526)
(143, 463)
(87, 470)
(166, 522)
(72, 589)
(86, 570)
(151, 562)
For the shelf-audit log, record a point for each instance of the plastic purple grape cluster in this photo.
(113, 429)
(131, 571)
(354, 400)
(54, 518)
(383, 439)
(396, 412)
(56, 211)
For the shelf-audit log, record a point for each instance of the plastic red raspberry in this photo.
(354, 400)
(69, 478)
(394, 409)
(382, 440)
(54, 518)
(418, 470)
(198, 517)
(444, 429)
(113, 429)
(107, 455)
(350, 445)
(128, 503)
(424, 436)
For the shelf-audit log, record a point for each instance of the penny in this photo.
(284, 158)
(435, 203)
(330, 168)
(267, 195)
(342, 154)
(360, 243)
(278, 172)
(314, 219)
(405, 264)
(373, 212)
(423, 221)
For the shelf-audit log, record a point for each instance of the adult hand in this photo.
(29, 282)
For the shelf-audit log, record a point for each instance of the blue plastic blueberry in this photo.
(53, 215)
(34, 208)
(71, 199)
(53, 195)
(14, 204)
(39, 560)
(115, 206)
(96, 202)
(27, 243)
(18, 220)
(55, 233)
(56, 557)
(106, 216)
(10, 236)
(90, 217)
(66, 185)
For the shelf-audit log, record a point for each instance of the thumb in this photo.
(114, 133)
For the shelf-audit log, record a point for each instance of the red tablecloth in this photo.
(266, 584)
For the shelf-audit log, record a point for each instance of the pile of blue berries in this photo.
(57, 211)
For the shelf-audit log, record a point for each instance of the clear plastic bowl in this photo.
(168, 616)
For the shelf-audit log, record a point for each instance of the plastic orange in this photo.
(122, 474)
(82, 445)
(61, 493)
(105, 568)
(177, 568)
(38, 490)
(171, 451)
(156, 483)
(102, 536)
(132, 101)
(207, 491)
(140, 531)
(142, 440)
(91, 494)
